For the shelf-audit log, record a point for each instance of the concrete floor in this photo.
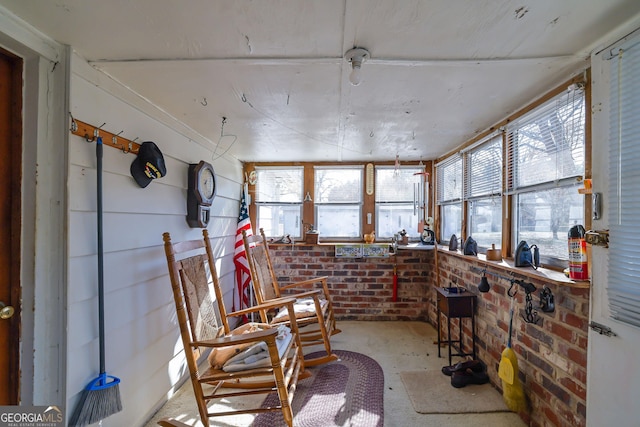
(396, 346)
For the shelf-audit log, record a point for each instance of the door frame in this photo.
(14, 148)
(43, 241)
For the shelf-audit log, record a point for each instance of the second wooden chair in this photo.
(264, 358)
(313, 309)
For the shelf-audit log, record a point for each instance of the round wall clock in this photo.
(200, 194)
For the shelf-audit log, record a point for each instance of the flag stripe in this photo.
(243, 275)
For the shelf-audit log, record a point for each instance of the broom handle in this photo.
(510, 321)
(100, 253)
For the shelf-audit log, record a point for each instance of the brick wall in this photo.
(552, 355)
(362, 288)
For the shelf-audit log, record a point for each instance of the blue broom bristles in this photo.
(99, 400)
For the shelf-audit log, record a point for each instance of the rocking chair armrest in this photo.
(264, 335)
(275, 303)
(322, 279)
(315, 293)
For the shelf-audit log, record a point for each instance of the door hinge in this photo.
(602, 329)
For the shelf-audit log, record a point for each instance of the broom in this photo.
(512, 391)
(101, 397)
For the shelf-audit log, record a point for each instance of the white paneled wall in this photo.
(143, 346)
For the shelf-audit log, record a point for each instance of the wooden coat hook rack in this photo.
(91, 132)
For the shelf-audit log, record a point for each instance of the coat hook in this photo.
(114, 139)
(121, 146)
(74, 124)
(96, 132)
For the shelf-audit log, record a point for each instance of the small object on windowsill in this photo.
(403, 239)
(455, 289)
(284, 239)
(494, 254)
(370, 237)
(312, 237)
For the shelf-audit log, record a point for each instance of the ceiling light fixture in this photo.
(356, 57)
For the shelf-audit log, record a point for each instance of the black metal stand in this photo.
(456, 305)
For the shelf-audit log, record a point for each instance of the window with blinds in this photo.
(396, 197)
(547, 144)
(624, 183)
(483, 191)
(546, 160)
(278, 199)
(338, 200)
(449, 196)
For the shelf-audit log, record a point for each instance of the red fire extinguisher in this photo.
(578, 266)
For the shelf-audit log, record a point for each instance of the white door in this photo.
(613, 373)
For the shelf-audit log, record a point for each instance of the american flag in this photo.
(243, 275)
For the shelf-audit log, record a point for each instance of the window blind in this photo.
(396, 185)
(483, 169)
(624, 184)
(547, 144)
(278, 185)
(337, 184)
(449, 179)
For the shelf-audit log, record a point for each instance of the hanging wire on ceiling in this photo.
(222, 135)
(396, 169)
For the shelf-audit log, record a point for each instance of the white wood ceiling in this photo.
(440, 71)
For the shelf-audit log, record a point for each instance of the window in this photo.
(449, 196)
(338, 201)
(483, 191)
(278, 200)
(397, 201)
(546, 148)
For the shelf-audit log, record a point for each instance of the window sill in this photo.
(507, 265)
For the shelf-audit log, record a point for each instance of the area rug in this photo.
(347, 392)
(431, 392)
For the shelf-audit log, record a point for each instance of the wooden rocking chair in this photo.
(313, 309)
(192, 272)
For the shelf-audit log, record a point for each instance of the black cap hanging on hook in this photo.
(149, 164)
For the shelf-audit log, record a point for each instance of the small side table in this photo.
(456, 305)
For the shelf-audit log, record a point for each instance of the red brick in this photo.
(562, 331)
(577, 389)
(578, 356)
(576, 321)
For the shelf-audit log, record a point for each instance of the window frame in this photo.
(509, 199)
(449, 199)
(308, 205)
(359, 203)
(257, 203)
(492, 175)
(564, 182)
(420, 197)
